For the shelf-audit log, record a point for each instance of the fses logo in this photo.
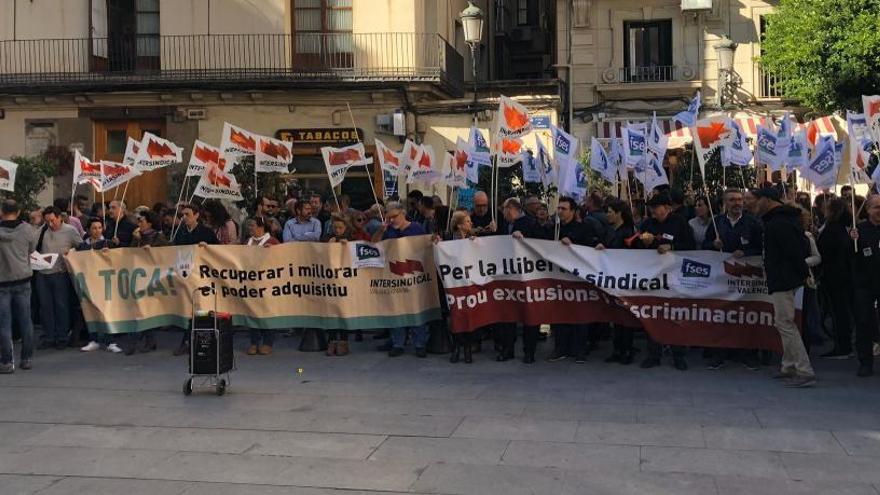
(562, 145)
(365, 252)
(695, 269)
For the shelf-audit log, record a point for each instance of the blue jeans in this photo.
(53, 291)
(420, 336)
(15, 308)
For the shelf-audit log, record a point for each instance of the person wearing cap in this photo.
(785, 266)
(665, 232)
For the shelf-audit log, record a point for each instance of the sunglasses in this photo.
(359, 220)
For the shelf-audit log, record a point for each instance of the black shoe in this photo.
(615, 357)
(455, 355)
(715, 365)
(395, 351)
(556, 356)
(528, 359)
(381, 335)
(502, 356)
(148, 346)
(45, 344)
(25, 364)
(865, 370)
(384, 347)
(476, 347)
(680, 363)
(627, 357)
(650, 362)
(421, 352)
(836, 354)
(130, 349)
(468, 358)
(580, 359)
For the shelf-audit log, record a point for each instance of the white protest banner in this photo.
(480, 152)
(508, 152)
(709, 135)
(216, 183)
(388, 160)
(339, 160)
(512, 120)
(564, 144)
(273, 155)
(737, 152)
(115, 174)
(688, 118)
(427, 169)
(85, 171)
(634, 146)
(697, 298)
(155, 153)
(600, 162)
(132, 148)
(203, 154)
(822, 169)
(237, 142)
(7, 175)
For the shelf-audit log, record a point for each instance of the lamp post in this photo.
(725, 49)
(472, 24)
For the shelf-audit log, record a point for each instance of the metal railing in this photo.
(657, 73)
(228, 58)
(770, 85)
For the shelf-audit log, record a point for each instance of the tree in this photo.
(825, 53)
(31, 177)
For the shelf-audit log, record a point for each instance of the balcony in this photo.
(652, 81)
(233, 60)
(770, 89)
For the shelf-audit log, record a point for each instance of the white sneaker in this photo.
(115, 349)
(91, 346)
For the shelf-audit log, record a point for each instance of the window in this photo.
(647, 50)
(147, 28)
(770, 86)
(522, 12)
(323, 26)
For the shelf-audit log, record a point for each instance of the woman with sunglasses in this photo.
(358, 224)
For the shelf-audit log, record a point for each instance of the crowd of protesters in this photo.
(809, 245)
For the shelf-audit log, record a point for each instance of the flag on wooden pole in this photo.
(7, 175)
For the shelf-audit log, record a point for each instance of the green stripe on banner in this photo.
(276, 322)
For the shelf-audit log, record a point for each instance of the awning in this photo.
(680, 136)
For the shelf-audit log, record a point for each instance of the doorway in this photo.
(111, 138)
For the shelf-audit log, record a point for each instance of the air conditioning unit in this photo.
(391, 123)
(696, 5)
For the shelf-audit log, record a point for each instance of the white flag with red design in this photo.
(339, 160)
(237, 142)
(7, 175)
(86, 171)
(513, 120)
(155, 153)
(390, 161)
(203, 154)
(455, 169)
(273, 155)
(710, 135)
(409, 157)
(871, 106)
(216, 183)
(115, 174)
(427, 169)
(131, 151)
(508, 152)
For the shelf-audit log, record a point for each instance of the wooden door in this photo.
(111, 138)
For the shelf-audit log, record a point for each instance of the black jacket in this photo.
(785, 249)
(527, 226)
(616, 238)
(675, 230)
(184, 237)
(866, 262)
(124, 233)
(745, 236)
(836, 247)
(580, 233)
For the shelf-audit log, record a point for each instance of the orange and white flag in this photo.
(273, 155)
(7, 175)
(339, 160)
(513, 120)
(237, 142)
(155, 153)
(710, 135)
(203, 155)
(390, 161)
(427, 169)
(85, 171)
(217, 183)
(115, 174)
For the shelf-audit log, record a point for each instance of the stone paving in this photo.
(100, 423)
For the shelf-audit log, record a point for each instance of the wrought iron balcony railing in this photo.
(227, 59)
(657, 73)
(770, 85)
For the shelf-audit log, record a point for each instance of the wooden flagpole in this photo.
(366, 165)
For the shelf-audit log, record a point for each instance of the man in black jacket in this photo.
(570, 339)
(866, 280)
(193, 231)
(664, 231)
(785, 253)
(518, 225)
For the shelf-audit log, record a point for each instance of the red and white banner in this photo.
(131, 152)
(871, 105)
(85, 171)
(115, 174)
(155, 152)
(513, 119)
(273, 155)
(7, 175)
(701, 298)
(388, 159)
(203, 155)
(237, 142)
(427, 169)
(216, 183)
(711, 135)
(339, 160)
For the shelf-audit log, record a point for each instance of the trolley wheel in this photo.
(221, 387)
(188, 386)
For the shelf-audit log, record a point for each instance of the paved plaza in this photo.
(303, 423)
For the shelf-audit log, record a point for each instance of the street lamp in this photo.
(472, 23)
(725, 49)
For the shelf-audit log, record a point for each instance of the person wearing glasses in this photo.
(481, 217)
(358, 227)
(397, 226)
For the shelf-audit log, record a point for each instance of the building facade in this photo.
(89, 74)
(623, 60)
